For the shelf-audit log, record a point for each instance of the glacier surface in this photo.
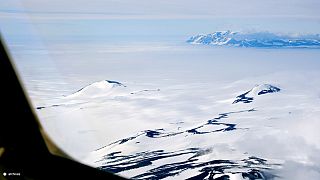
(183, 115)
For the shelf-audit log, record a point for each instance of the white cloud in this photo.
(296, 171)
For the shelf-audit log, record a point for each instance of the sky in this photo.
(100, 18)
(167, 8)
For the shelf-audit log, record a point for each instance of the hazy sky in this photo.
(168, 8)
(102, 18)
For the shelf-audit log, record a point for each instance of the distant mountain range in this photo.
(260, 39)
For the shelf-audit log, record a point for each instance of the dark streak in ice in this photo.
(213, 169)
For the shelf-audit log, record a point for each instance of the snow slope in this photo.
(177, 118)
(155, 139)
(258, 90)
(101, 88)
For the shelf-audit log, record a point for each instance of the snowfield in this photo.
(183, 111)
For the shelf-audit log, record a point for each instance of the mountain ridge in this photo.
(258, 39)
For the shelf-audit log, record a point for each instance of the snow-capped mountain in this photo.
(261, 39)
(258, 90)
(96, 89)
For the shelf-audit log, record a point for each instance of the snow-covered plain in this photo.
(175, 111)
